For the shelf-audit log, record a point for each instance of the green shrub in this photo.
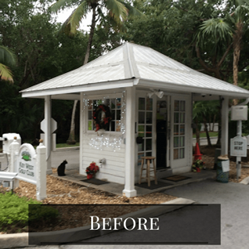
(15, 210)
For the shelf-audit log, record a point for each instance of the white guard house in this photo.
(149, 95)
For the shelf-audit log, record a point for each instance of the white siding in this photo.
(113, 170)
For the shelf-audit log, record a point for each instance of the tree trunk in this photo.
(206, 130)
(197, 132)
(236, 54)
(71, 139)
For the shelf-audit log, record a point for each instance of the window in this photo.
(115, 108)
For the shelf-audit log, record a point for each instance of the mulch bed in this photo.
(60, 191)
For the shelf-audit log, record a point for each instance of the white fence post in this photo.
(41, 192)
(14, 149)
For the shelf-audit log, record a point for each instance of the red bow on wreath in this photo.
(97, 117)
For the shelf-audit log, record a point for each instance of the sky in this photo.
(64, 14)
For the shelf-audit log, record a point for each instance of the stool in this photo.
(148, 169)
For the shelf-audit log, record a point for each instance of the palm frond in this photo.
(59, 5)
(5, 73)
(72, 23)
(117, 10)
(7, 56)
(215, 29)
(132, 10)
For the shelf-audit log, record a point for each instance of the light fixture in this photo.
(158, 93)
(150, 95)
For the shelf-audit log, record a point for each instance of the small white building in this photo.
(149, 95)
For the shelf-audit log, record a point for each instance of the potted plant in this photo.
(198, 165)
(91, 170)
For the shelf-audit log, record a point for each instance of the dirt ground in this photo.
(64, 192)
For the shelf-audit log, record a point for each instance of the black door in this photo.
(161, 143)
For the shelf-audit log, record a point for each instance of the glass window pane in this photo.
(176, 129)
(118, 126)
(118, 103)
(141, 104)
(176, 117)
(148, 131)
(90, 105)
(141, 117)
(90, 115)
(140, 130)
(113, 103)
(181, 153)
(118, 114)
(113, 114)
(139, 158)
(182, 129)
(107, 102)
(90, 125)
(182, 106)
(175, 153)
(148, 144)
(112, 125)
(176, 142)
(182, 117)
(148, 153)
(182, 141)
(176, 105)
(149, 104)
(148, 117)
(141, 146)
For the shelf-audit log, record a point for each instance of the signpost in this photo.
(239, 144)
(30, 165)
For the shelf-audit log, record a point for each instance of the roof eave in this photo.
(80, 88)
(191, 89)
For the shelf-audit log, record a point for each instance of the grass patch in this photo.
(15, 213)
(203, 134)
(67, 145)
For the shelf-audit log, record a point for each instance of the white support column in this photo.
(224, 126)
(82, 131)
(129, 189)
(47, 117)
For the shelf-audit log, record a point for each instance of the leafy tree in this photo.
(228, 29)
(6, 56)
(117, 11)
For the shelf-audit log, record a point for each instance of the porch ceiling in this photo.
(130, 65)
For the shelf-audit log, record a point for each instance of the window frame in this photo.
(104, 97)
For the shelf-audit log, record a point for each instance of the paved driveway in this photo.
(234, 200)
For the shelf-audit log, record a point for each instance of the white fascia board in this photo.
(177, 87)
(78, 89)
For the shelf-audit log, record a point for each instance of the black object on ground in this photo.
(94, 181)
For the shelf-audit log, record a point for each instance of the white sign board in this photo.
(238, 146)
(26, 163)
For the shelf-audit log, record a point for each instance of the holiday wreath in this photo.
(102, 117)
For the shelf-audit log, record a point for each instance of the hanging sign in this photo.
(238, 146)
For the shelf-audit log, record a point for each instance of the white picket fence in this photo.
(29, 165)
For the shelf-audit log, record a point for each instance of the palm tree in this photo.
(231, 27)
(6, 57)
(117, 11)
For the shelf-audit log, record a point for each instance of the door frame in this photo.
(181, 165)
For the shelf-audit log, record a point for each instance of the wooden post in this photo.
(41, 185)
(224, 126)
(129, 189)
(48, 134)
